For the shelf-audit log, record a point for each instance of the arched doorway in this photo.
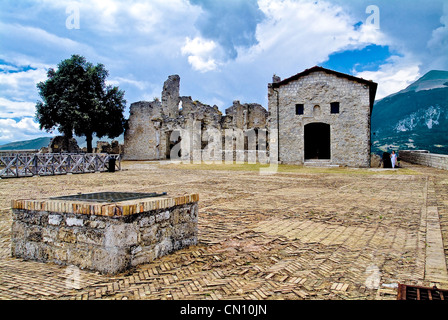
(317, 141)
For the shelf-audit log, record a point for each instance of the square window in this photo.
(299, 108)
(334, 107)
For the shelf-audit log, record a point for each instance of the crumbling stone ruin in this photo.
(114, 147)
(316, 117)
(198, 130)
(59, 144)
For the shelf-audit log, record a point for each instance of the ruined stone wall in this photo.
(142, 138)
(349, 129)
(114, 147)
(155, 128)
(170, 96)
(245, 116)
(58, 145)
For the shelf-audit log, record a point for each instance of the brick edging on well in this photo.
(124, 208)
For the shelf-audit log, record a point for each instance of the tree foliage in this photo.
(76, 99)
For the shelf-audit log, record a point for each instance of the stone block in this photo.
(120, 235)
(105, 243)
(70, 221)
(54, 219)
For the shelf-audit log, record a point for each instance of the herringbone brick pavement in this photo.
(349, 235)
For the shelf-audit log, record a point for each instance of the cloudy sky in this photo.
(223, 50)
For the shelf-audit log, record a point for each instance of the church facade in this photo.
(322, 116)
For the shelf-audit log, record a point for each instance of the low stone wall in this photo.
(109, 238)
(425, 158)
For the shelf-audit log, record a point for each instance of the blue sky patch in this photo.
(369, 58)
(11, 68)
(358, 25)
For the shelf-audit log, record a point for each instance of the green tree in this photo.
(75, 98)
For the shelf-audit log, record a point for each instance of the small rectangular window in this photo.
(299, 108)
(334, 107)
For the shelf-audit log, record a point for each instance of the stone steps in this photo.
(319, 163)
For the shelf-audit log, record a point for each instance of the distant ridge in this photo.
(413, 118)
(34, 144)
(432, 80)
(38, 143)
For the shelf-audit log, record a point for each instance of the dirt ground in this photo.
(301, 233)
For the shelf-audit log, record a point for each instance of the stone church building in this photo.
(318, 116)
(322, 117)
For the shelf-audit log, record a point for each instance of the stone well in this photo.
(105, 235)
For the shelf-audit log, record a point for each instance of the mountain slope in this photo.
(34, 144)
(38, 143)
(414, 118)
(432, 80)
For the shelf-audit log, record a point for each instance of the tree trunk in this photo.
(67, 136)
(89, 143)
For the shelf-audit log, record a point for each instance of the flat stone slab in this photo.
(435, 268)
(105, 237)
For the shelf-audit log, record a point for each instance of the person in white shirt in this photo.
(393, 159)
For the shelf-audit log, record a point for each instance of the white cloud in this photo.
(305, 33)
(18, 87)
(117, 81)
(21, 85)
(16, 109)
(297, 35)
(161, 17)
(119, 16)
(438, 44)
(393, 76)
(201, 53)
(25, 129)
(104, 12)
(20, 60)
(33, 35)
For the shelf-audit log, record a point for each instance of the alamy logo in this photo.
(210, 146)
(373, 277)
(72, 277)
(374, 18)
(73, 20)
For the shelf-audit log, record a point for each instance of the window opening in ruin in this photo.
(299, 109)
(334, 107)
(256, 138)
(250, 139)
(173, 138)
(317, 141)
(204, 135)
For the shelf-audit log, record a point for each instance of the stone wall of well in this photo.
(349, 129)
(425, 158)
(108, 238)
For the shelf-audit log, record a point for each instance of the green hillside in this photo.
(38, 143)
(34, 144)
(414, 118)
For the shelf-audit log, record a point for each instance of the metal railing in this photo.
(15, 165)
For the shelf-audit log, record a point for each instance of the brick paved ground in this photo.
(305, 234)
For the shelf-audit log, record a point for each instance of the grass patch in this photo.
(287, 168)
